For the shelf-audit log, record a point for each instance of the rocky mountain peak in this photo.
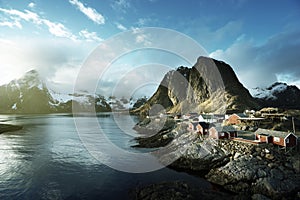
(209, 86)
(279, 95)
(29, 80)
(277, 84)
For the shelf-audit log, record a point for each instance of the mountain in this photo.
(30, 95)
(200, 89)
(278, 95)
(26, 95)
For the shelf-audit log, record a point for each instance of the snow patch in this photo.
(268, 93)
(14, 107)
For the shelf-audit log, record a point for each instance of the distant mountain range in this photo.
(181, 90)
(30, 95)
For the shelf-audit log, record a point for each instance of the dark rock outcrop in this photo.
(178, 190)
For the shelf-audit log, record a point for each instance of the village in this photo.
(242, 127)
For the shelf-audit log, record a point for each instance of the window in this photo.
(222, 134)
(287, 140)
(276, 139)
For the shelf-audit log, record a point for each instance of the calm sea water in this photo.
(46, 160)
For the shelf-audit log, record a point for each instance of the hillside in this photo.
(209, 86)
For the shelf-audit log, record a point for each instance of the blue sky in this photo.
(259, 39)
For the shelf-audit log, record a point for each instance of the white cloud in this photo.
(91, 13)
(121, 27)
(11, 24)
(56, 29)
(121, 5)
(56, 60)
(143, 21)
(31, 5)
(90, 36)
(262, 65)
(27, 15)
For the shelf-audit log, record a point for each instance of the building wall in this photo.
(279, 141)
(233, 134)
(223, 135)
(292, 141)
(200, 129)
(213, 133)
(262, 138)
(233, 119)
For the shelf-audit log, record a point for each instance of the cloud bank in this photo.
(261, 65)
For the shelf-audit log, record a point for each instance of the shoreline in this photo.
(9, 128)
(260, 171)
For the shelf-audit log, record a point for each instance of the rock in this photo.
(296, 165)
(269, 156)
(272, 165)
(175, 190)
(267, 151)
(258, 158)
(277, 174)
(244, 128)
(259, 197)
(261, 173)
(258, 149)
(236, 155)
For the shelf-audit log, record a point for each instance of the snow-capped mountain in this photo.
(30, 94)
(278, 95)
(270, 92)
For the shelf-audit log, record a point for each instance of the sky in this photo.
(259, 39)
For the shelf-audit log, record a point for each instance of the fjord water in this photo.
(46, 160)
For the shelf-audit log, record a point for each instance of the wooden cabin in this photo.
(280, 138)
(199, 127)
(193, 126)
(235, 118)
(264, 138)
(222, 132)
(203, 128)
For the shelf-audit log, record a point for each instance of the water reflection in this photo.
(46, 160)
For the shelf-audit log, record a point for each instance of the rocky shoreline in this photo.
(261, 171)
(9, 128)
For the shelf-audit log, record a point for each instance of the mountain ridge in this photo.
(229, 91)
(30, 95)
(279, 95)
(186, 89)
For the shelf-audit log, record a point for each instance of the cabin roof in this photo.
(225, 128)
(241, 115)
(280, 134)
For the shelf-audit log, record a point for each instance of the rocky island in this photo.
(249, 170)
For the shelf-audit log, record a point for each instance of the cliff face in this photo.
(209, 86)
